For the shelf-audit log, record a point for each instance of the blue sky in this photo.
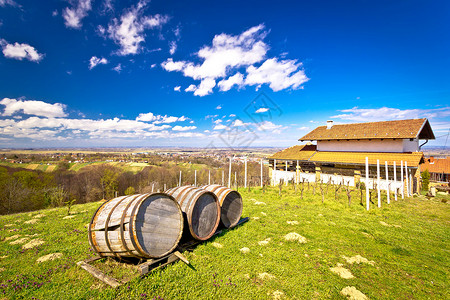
(211, 74)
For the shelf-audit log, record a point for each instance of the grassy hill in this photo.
(406, 245)
(125, 166)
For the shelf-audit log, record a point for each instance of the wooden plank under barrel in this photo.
(142, 226)
(230, 202)
(201, 209)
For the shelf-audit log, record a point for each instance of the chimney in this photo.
(329, 124)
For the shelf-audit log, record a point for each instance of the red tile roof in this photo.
(401, 129)
(441, 165)
(298, 152)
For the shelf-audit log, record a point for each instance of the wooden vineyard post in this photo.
(395, 182)
(367, 184)
(261, 172)
(410, 184)
(179, 184)
(245, 173)
(229, 175)
(223, 177)
(274, 173)
(378, 183)
(209, 177)
(406, 177)
(401, 179)
(195, 177)
(387, 182)
(286, 171)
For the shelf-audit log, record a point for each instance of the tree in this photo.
(57, 196)
(425, 179)
(130, 191)
(109, 183)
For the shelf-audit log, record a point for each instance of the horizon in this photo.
(141, 74)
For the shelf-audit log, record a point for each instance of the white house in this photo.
(341, 152)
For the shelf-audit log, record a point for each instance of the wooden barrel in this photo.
(230, 203)
(143, 226)
(201, 208)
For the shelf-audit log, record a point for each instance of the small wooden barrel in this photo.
(230, 203)
(202, 210)
(143, 226)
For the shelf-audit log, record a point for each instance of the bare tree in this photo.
(322, 190)
(302, 187)
(336, 191)
(349, 193)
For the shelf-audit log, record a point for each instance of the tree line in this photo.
(28, 190)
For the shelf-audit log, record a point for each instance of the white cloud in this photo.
(170, 119)
(226, 52)
(74, 15)
(32, 107)
(108, 6)
(261, 110)
(8, 2)
(118, 68)
(279, 75)
(20, 51)
(227, 84)
(177, 88)
(158, 119)
(219, 127)
(148, 117)
(152, 66)
(356, 114)
(229, 53)
(49, 122)
(304, 128)
(183, 128)
(205, 87)
(238, 123)
(231, 116)
(101, 31)
(217, 121)
(170, 65)
(190, 88)
(269, 126)
(219, 106)
(172, 47)
(94, 61)
(129, 31)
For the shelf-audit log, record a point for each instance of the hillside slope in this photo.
(399, 251)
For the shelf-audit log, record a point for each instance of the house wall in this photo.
(410, 146)
(369, 145)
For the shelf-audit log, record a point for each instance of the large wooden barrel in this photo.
(201, 208)
(143, 226)
(230, 202)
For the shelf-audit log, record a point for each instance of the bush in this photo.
(130, 191)
(425, 180)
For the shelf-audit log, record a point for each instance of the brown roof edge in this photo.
(428, 135)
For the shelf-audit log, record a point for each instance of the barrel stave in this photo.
(143, 225)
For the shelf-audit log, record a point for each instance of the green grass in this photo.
(411, 259)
